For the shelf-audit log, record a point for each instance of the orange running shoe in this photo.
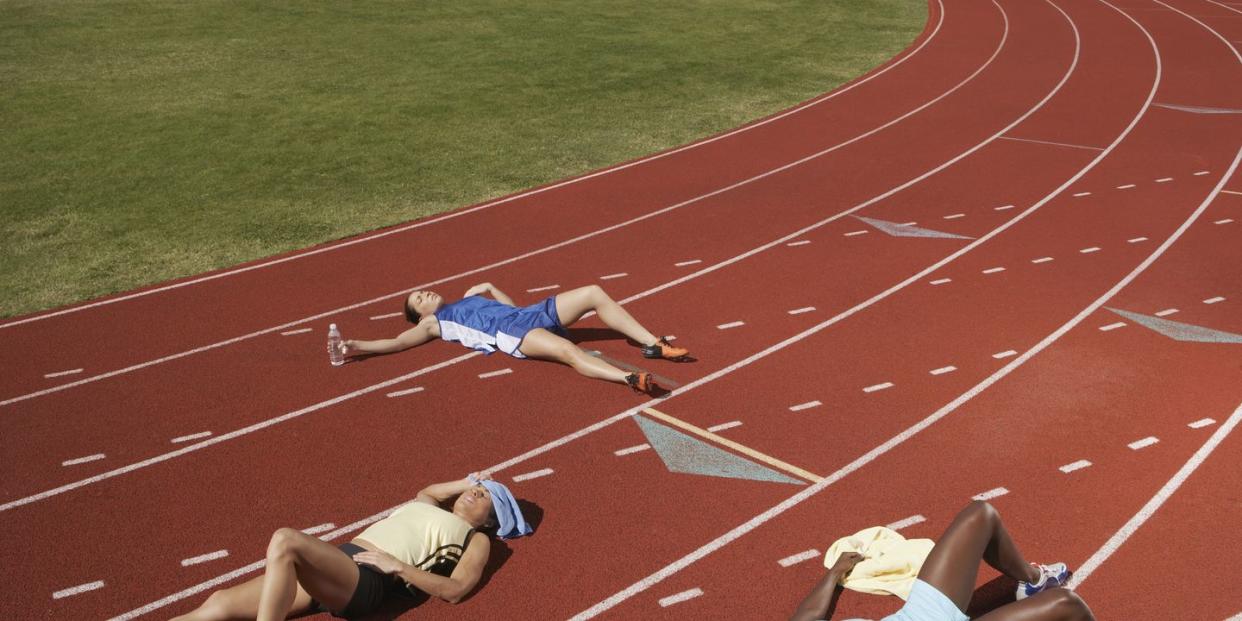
(641, 381)
(662, 349)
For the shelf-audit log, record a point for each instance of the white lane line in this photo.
(726, 326)
(1164, 179)
(853, 233)
(203, 558)
(680, 597)
(990, 494)
(1082, 194)
(1041, 260)
(1136, 240)
(614, 276)
(407, 391)
(910, 521)
(386, 316)
(877, 387)
(955, 216)
(794, 559)
(1201, 173)
(1144, 443)
(532, 475)
(1214, 300)
(1001, 355)
(799, 243)
(993, 270)
(1078, 465)
(1231, 192)
(495, 373)
(804, 309)
(1090, 250)
(62, 373)
(690, 262)
(804, 406)
(722, 426)
(1112, 326)
(543, 288)
(1201, 423)
(82, 588)
(1126, 186)
(193, 436)
(1166, 312)
(943, 370)
(940, 281)
(1002, 208)
(1055, 144)
(292, 332)
(910, 223)
(82, 460)
(1225, 221)
(315, 530)
(632, 449)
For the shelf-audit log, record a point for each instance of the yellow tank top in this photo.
(421, 535)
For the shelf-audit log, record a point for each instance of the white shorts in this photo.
(926, 603)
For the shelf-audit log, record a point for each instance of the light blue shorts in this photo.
(926, 603)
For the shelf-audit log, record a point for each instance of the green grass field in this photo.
(145, 140)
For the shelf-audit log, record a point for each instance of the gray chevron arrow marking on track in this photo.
(905, 230)
(1199, 109)
(1180, 331)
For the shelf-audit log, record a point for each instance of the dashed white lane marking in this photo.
(1214, 300)
(804, 309)
(990, 494)
(910, 223)
(1202, 172)
(632, 449)
(1041, 260)
(1144, 443)
(726, 326)
(1082, 194)
(1126, 186)
(1164, 179)
(1166, 312)
(1136, 240)
(690, 262)
(495, 373)
(299, 331)
(1078, 465)
(82, 588)
(532, 475)
(62, 373)
(543, 288)
(385, 316)
(722, 426)
(910, 521)
(875, 387)
(614, 276)
(801, 242)
(993, 270)
(203, 558)
(193, 436)
(804, 406)
(1112, 326)
(1001, 355)
(315, 530)
(1201, 423)
(955, 216)
(407, 391)
(853, 233)
(941, 281)
(1225, 221)
(680, 597)
(794, 559)
(1090, 250)
(1002, 208)
(82, 460)
(943, 370)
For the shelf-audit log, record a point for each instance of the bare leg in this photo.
(976, 533)
(1051, 605)
(573, 304)
(540, 343)
(296, 559)
(241, 602)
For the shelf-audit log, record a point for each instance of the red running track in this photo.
(1019, 125)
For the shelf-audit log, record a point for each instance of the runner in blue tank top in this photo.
(536, 331)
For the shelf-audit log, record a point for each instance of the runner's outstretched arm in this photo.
(413, 337)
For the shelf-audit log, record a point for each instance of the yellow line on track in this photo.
(745, 450)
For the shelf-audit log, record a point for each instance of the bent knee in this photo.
(1070, 605)
(284, 541)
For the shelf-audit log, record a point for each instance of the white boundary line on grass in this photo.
(611, 169)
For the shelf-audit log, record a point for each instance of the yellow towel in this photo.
(890, 562)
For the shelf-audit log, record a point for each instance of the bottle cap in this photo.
(331, 326)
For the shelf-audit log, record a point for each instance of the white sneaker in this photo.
(1050, 577)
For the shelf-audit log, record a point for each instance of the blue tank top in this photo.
(473, 321)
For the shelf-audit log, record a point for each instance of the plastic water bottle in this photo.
(334, 346)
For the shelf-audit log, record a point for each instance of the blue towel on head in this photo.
(505, 506)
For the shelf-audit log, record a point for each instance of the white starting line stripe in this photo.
(1136, 240)
(632, 449)
(853, 233)
(1002, 208)
(495, 373)
(385, 316)
(804, 406)
(1144, 443)
(910, 521)
(614, 276)
(543, 288)
(82, 460)
(407, 391)
(1082, 194)
(955, 216)
(722, 426)
(1090, 250)
(943, 370)
(1201, 423)
(726, 326)
(1214, 300)
(62, 373)
(690, 262)
(82, 588)
(315, 530)
(1126, 186)
(990, 494)
(941, 281)
(299, 331)
(801, 242)
(993, 270)
(1041, 260)
(532, 475)
(1201, 173)
(804, 309)
(680, 597)
(1113, 326)
(1001, 355)
(1166, 312)
(1078, 465)
(1164, 179)
(210, 556)
(873, 388)
(794, 559)
(1225, 221)
(193, 436)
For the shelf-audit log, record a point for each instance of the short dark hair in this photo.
(410, 315)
